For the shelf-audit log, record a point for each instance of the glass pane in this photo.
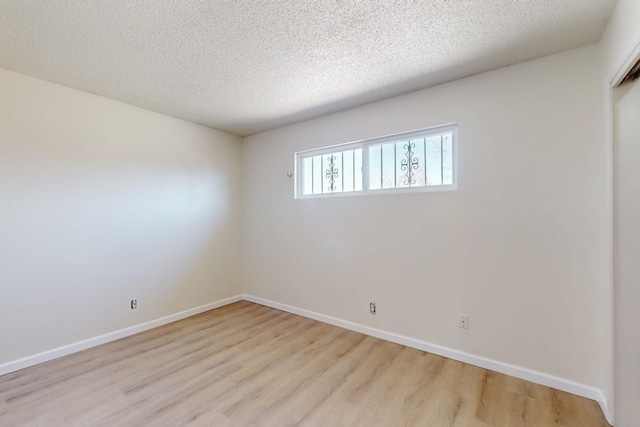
(325, 176)
(418, 178)
(388, 166)
(357, 170)
(375, 167)
(347, 171)
(317, 174)
(401, 178)
(410, 163)
(447, 157)
(335, 172)
(307, 182)
(434, 160)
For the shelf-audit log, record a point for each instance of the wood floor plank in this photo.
(250, 365)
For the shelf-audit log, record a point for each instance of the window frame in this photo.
(364, 145)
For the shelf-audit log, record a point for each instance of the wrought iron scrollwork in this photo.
(332, 173)
(409, 164)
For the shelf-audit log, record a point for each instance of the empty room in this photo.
(320, 213)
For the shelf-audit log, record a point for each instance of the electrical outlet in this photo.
(372, 308)
(134, 304)
(463, 321)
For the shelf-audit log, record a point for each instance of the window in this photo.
(415, 161)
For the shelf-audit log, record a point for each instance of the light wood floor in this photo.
(245, 364)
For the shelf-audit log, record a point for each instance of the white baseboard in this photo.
(483, 362)
(55, 353)
(494, 365)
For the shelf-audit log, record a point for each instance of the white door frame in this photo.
(623, 67)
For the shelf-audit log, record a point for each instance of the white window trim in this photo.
(364, 144)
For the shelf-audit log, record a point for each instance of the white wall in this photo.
(521, 246)
(102, 202)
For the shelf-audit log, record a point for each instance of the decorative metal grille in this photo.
(409, 164)
(332, 172)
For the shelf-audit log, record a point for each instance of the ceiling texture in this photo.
(245, 66)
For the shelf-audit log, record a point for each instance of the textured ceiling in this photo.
(245, 66)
